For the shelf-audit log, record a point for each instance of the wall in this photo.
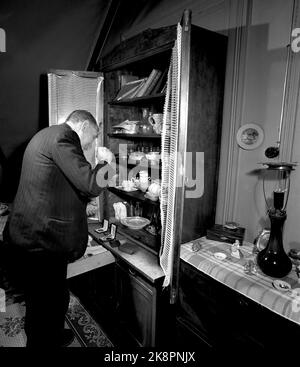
(213, 14)
(260, 102)
(40, 35)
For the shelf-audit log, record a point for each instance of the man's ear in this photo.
(85, 125)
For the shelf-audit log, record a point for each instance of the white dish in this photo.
(281, 285)
(127, 190)
(220, 255)
(135, 222)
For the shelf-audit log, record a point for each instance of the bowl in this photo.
(135, 222)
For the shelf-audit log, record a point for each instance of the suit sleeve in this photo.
(68, 156)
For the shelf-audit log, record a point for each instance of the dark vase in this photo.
(273, 260)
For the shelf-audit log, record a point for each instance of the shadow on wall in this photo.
(10, 168)
(11, 173)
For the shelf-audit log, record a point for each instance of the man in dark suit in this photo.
(47, 226)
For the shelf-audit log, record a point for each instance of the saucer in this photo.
(220, 255)
(281, 285)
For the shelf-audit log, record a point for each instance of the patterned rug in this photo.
(87, 331)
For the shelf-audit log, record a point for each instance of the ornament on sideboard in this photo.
(273, 260)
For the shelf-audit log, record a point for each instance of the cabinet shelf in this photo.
(134, 136)
(138, 100)
(146, 166)
(133, 195)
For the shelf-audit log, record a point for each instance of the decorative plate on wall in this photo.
(250, 136)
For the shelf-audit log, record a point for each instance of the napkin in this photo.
(120, 210)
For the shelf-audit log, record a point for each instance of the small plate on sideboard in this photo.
(281, 285)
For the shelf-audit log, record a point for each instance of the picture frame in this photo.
(250, 136)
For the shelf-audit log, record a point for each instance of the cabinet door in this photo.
(136, 306)
(197, 304)
(196, 109)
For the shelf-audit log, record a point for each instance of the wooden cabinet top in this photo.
(136, 48)
(142, 261)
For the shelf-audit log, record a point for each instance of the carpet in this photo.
(87, 331)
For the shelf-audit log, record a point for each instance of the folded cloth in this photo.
(120, 210)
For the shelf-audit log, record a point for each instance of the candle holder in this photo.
(273, 260)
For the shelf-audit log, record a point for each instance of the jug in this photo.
(145, 126)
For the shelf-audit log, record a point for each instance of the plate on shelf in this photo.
(129, 190)
(135, 222)
(281, 285)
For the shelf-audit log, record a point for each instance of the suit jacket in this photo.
(49, 210)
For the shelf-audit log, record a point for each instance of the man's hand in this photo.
(105, 154)
(92, 208)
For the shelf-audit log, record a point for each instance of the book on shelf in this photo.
(160, 83)
(135, 92)
(128, 89)
(153, 75)
(164, 89)
(153, 83)
(125, 78)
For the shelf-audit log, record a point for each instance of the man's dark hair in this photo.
(80, 116)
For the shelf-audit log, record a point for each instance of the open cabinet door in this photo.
(173, 154)
(192, 123)
(70, 90)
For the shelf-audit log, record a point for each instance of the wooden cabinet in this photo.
(213, 316)
(199, 108)
(200, 82)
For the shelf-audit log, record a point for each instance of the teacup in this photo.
(157, 121)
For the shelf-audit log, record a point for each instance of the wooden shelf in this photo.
(133, 195)
(138, 100)
(135, 136)
(145, 166)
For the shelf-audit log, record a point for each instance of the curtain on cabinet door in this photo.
(77, 90)
(73, 90)
(170, 161)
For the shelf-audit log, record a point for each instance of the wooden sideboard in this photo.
(218, 309)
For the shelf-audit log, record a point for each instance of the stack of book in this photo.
(134, 87)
